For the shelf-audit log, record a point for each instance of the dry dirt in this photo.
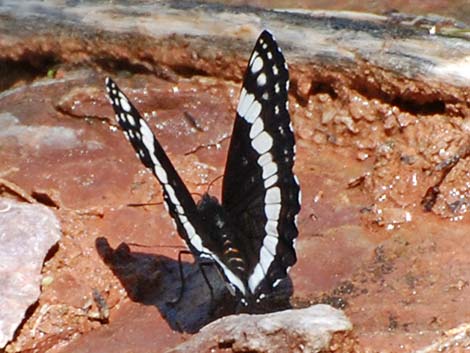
(366, 163)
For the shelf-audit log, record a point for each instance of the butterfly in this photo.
(251, 234)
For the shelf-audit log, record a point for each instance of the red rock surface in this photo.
(368, 146)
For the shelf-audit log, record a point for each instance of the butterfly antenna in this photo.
(197, 194)
(212, 182)
(144, 204)
(157, 246)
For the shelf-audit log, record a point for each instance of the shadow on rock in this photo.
(155, 280)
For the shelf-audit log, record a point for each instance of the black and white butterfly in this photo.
(251, 234)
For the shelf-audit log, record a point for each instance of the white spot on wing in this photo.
(261, 80)
(273, 195)
(269, 169)
(179, 210)
(196, 241)
(257, 65)
(295, 176)
(253, 57)
(262, 143)
(253, 112)
(272, 211)
(264, 159)
(256, 128)
(265, 259)
(147, 140)
(270, 181)
(271, 228)
(245, 102)
(255, 278)
(171, 194)
(125, 104)
(270, 244)
(161, 174)
(130, 119)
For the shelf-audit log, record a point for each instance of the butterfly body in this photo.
(250, 235)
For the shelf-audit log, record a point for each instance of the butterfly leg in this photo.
(201, 265)
(180, 267)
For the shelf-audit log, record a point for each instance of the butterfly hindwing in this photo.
(260, 192)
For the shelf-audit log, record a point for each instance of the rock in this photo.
(27, 232)
(297, 330)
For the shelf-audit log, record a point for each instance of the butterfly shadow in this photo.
(155, 280)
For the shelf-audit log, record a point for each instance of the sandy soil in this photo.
(375, 240)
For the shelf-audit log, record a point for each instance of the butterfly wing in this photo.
(260, 191)
(176, 196)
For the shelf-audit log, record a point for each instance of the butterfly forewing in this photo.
(176, 196)
(260, 191)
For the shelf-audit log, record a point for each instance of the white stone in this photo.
(306, 330)
(27, 232)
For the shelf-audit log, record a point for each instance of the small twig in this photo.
(17, 190)
(189, 117)
(43, 311)
(197, 148)
(8, 171)
(142, 204)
